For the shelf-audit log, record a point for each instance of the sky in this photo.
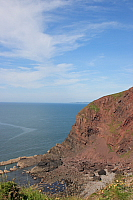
(62, 51)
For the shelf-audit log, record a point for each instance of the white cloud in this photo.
(40, 76)
(18, 78)
(36, 77)
(24, 27)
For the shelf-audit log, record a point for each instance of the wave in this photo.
(24, 129)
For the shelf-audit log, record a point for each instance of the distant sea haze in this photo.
(28, 129)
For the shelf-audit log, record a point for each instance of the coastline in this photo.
(16, 160)
(11, 161)
(22, 162)
(69, 175)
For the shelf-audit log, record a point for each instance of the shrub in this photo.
(9, 190)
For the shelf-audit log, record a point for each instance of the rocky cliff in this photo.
(101, 138)
(103, 131)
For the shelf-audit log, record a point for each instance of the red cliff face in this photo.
(103, 130)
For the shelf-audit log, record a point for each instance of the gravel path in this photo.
(93, 186)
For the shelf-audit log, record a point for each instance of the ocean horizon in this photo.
(28, 129)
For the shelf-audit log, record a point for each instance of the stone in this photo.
(6, 171)
(91, 174)
(13, 169)
(102, 172)
(50, 164)
(96, 178)
(1, 172)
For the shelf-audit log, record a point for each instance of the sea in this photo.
(28, 129)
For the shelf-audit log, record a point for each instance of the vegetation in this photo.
(93, 106)
(110, 148)
(114, 126)
(10, 191)
(117, 95)
(121, 189)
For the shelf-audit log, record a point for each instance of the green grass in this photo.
(114, 126)
(127, 154)
(93, 106)
(118, 95)
(11, 191)
(110, 148)
(33, 194)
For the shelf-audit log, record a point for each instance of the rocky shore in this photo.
(74, 177)
(21, 162)
(99, 146)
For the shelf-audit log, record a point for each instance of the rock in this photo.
(91, 174)
(114, 170)
(50, 164)
(6, 171)
(81, 169)
(29, 161)
(13, 169)
(96, 178)
(102, 172)
(1, 172)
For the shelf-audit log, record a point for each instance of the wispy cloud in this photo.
(40, 76)
(24, 31)
(35, 77)
(23, 28)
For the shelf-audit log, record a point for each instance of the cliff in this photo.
(103, 131)
(101, 138)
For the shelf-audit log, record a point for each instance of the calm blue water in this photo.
(28, 129)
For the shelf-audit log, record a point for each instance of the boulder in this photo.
(50, 164)
(13, 169)
(6, 171)
(102, 172)
(1, 172)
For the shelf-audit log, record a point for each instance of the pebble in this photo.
(6, 171)
(13, 169)
(1, 172)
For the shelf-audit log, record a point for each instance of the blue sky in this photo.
(65, 50)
